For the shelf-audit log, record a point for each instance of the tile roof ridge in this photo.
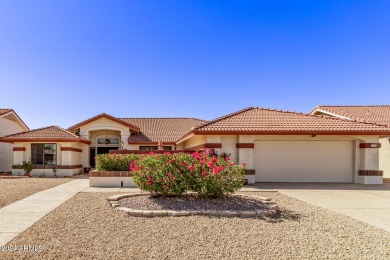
(161, 118)
(223, 117)
(353, 106)
(67, 131)
(280, 110)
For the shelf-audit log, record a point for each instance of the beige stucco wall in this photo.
(194, 141)
(103, 126)
(104, 134)
(384, 157)
(229, 143)
(8, 125)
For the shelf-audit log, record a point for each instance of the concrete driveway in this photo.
(367, 203)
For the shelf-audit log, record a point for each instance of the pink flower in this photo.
(244, 164)
(166, 153)
(218, 169)
(150, 179)
(192, 167)
(171, 161)
(151, 153)
(205, 174)
(210, 164)
(215, 158)
(183, 163)
(164, 187)
(132, 165)
(227, 159)
(170, 176)
(196, 156)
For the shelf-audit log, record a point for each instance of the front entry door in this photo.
(93, 151)
(101, 150)
(92, 154)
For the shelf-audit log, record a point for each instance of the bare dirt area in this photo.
(12, 190)
(86, 227)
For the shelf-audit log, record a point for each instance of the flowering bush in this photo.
(114, 162)
(202, 172)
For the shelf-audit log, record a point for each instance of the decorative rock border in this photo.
(272, 209)
(13, 177)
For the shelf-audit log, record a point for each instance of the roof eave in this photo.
(17, 116)
(40, 140)
(301, 132)
(117, 120)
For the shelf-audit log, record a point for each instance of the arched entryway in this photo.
(102, 141)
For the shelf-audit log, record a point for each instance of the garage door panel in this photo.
(303, 161)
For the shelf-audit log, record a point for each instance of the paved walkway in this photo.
(367, 203)
(19, 216)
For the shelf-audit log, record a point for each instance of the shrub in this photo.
(27, 166)
(203, 172)
(159, 174)
(114, 162)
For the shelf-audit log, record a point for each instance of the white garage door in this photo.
(303, 161)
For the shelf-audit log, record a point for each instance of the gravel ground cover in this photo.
(191, 202)
(85, 227)
(12, 190)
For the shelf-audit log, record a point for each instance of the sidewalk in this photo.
(19, 216)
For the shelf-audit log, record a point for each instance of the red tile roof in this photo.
(255, 120)
(46, 134)
(370, 114)
(166, 130)
(77, 126)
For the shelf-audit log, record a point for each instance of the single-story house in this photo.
(366, 114)
(10, 123)
(277, 146)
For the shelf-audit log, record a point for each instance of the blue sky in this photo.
(64, 61)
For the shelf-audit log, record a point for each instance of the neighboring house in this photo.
(10, 123)
(277, 146)
(368, 114)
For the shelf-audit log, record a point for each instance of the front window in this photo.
(153, 148)
(44, 153)
(108, 140)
